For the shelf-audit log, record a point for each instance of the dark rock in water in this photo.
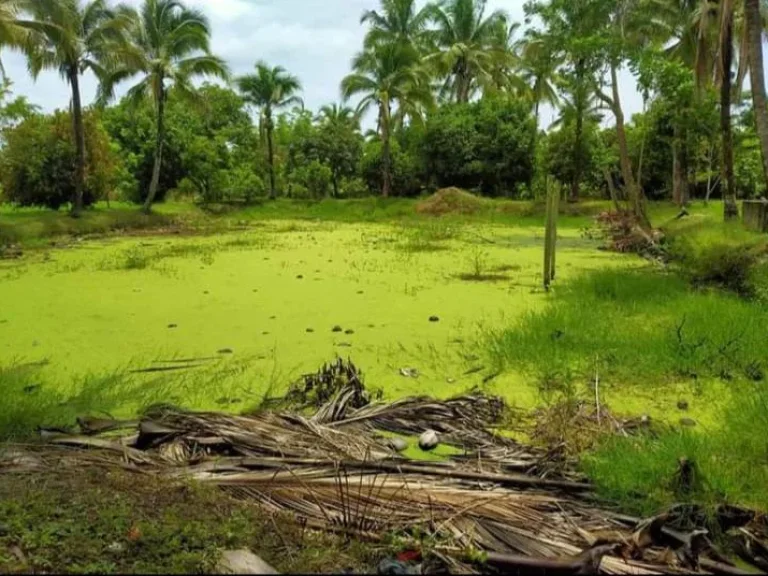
(360, 292)
(300, 277)
(265, 333)
(338, 329)
(226, 351)
(682, 405)
(310, 330)
(688, 422)
(273, 317)
(429, 440)
(434, 319)
(371, 325)
(349, 332)
(206, 292)
(32, 388)
(173, 325)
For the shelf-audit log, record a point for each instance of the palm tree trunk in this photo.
(79, 130)
(678, 176)
(573, 196)
(636, 197)
(731, 209)
(757, 77)
(271, 151)
(386, 153)
(155, 183)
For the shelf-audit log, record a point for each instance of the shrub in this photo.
(727, 257)
(407, 171)
(39, 161)
(486, 145)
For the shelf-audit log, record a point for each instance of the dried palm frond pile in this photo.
(498, 505)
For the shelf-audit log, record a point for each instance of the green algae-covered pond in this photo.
(272, 302)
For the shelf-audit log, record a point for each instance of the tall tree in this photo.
(397, 21)
(754, 35)
(74, 37)
(169, 46)
(464, 37)
(384, 75)
(270, 89)
(725, 77)
(539, 70)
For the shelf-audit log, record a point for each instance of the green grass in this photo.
(731, 460)
(34, 227)
(110, 522)
(639, 327)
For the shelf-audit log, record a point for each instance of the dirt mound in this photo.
(450, 201)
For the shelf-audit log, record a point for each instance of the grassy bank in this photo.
(35, 227)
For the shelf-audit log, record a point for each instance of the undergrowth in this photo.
(730, 461)
(642, 327)
(111, 522)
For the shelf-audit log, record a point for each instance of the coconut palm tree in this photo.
(169, 47)
(538, 68)
(270, 89)
(338, 114)
(387, 75)
(74, 37)
(397, 21)
(11, 34)
(464, 37)
(754, 27)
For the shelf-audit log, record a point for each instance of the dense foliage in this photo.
(454, 91)
(39, 161)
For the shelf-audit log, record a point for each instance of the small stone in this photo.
(243, 562)
(171, 326)
(349, 332)
(226, 351)
(397, 444)
(360, 292)
(688, 422)
(645, 420)
(450, 380)
(429, 440)
(265, 333)
(371, 325)
(116, 548)
(206, 292)
(682, 405)
(273, 317)
(310, 330)
(337, 329)
(300, 277)
(434, 319)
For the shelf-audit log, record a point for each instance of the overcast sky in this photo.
(314, 39)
